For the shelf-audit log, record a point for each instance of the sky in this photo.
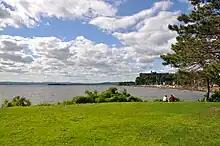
(85, 40)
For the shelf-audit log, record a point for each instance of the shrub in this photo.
(122, 99)
(215, 97)
(157, 100)
(134, 99)
(118, 99)
(113, 99)
(112, 90)
(83, 99)
(106, 94)
(17, 101)
(176, 99)
(110, 95)
(7, 103)
(101, 99)
(93, 95)
(125, 93)
(68, 102)
(201, 100)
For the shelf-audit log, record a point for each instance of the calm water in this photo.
(38, 94)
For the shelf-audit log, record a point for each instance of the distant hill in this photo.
(55, 83)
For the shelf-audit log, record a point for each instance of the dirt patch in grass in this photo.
(215, 109)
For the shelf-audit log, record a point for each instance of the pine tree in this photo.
(198, 41)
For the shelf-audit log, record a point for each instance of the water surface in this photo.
(42, 93)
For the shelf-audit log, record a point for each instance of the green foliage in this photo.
(7, 103)
(198, 41)
(16, 101)
(69, 102)
(134, 99)
(110, 95)
(101, 99)
(176, 99)
(140, 81)
(84, 99)
(125, 93)
(112, 90)
(125, 83)
(117, 98)
(155, 78)
(215, 97)
(157, 100)
(46, 104)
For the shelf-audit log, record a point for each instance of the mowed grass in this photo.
(115, 124)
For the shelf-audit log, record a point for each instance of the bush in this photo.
(93, 95)
(113, 99)
(68, 102)
(106, 94)
(83, 99)
(176, 99)
(157, 100)
(17, 101)
(7, 103)
(110, 95)
(118, 99)
(125, 93)
(215, 97)
(101, 100)
(134, 99)
(122, 99)
(113, 90)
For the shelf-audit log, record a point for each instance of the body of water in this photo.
(38, 94)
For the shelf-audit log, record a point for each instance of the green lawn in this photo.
(115, 124)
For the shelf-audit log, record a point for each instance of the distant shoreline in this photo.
(200, 89)
(55, 84)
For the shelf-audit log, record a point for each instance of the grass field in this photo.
(115, 124)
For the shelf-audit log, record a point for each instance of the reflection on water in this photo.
(38, 94)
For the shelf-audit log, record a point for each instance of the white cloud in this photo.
(116, 23)
(9, 17)
(150, 36)
(29, 12)
(151, 39)
(50, 56)
(82, 60)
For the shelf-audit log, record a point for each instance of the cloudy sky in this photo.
(85, 40)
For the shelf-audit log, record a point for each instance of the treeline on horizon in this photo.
(55, 83)
(180, 78)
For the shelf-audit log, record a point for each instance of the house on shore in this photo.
(155, 78)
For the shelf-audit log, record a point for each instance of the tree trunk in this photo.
(208, 91)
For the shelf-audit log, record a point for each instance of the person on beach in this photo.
(172, 98)
(165, 99)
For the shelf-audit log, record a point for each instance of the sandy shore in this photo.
(201, 89)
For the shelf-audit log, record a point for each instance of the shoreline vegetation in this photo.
(200, 89)
(179, 80)
(111, 95)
